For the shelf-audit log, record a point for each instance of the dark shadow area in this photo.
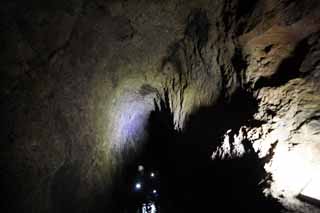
(189, 181)
(310, 200)
(221, 185)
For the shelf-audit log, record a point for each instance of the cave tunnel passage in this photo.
(174, 173)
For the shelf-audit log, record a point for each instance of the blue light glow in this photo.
(138, 186)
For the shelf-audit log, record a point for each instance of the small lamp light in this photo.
(138, 186)
(140, 168)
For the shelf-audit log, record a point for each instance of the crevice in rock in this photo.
(308, 120)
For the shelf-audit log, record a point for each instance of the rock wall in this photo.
(80, 78)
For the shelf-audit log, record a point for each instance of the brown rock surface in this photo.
(80, 78)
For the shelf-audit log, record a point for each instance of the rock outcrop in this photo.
(80, 78)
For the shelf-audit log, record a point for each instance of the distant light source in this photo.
(152, 174)
(140, 168)
(154, 191)
(138, 186)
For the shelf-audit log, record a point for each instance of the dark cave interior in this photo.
(176, 106)
(189, 181)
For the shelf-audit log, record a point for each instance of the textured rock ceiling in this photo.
(80, 78)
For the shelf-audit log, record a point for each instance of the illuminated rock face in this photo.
(79, 80)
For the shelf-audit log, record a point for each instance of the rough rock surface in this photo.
(79, 79)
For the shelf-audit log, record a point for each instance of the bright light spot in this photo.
(138, 186)
(154, 191)
(290, 170)
(152, 174)
(140, 168)
(294, 173)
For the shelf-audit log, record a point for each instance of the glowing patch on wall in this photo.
(130, 120)
(291, 170)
